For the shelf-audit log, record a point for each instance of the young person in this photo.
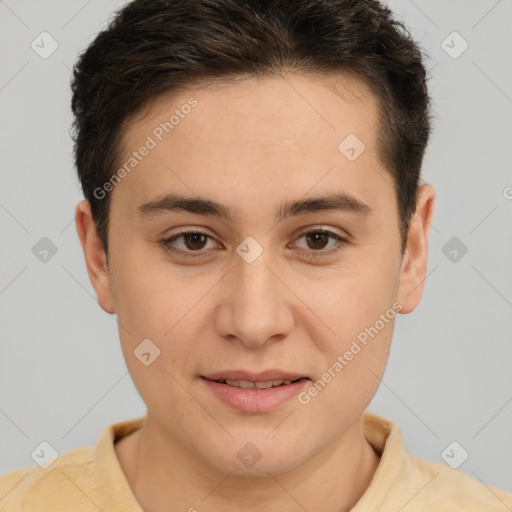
(254, 216)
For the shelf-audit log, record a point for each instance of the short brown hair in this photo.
(152, 47)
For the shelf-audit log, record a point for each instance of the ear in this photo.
(414, 262)
(95, 258)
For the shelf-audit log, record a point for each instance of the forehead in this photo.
(286, 108)
(255, 134)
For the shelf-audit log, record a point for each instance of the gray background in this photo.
(449, 378)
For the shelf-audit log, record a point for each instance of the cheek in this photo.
(349, 299)
(154, 316)
(150, 297)
(152, 304)
(355, 359)
(359, 307)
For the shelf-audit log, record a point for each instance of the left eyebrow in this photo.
(329, 202)
(204, 206)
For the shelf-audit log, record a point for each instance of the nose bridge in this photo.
(256, 306)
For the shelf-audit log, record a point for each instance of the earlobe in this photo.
(414, 261)
(94, 254)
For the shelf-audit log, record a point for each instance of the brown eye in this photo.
(317, 239)
(188, 243)
(195, 241)
(320, 242)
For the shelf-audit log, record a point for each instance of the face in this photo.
(256, 239)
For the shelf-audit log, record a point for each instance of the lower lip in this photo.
(255, 400)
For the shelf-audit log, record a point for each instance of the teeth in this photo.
(258, 385)
(264, 385)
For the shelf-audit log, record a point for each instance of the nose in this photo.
(255, 307)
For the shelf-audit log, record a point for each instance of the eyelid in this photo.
(322, 228)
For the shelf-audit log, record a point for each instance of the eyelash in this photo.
(308, 253)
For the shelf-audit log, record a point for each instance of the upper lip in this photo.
(264, 376)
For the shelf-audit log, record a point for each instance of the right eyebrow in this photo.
(174, 202)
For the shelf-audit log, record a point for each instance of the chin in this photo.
(258, 458)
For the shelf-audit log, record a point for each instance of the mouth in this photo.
(258, 385)
(255, 393)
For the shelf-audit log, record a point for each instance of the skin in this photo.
(252, 145)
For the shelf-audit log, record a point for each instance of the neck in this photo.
(162, 472)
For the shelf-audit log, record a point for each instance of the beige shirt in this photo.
(90, 478)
